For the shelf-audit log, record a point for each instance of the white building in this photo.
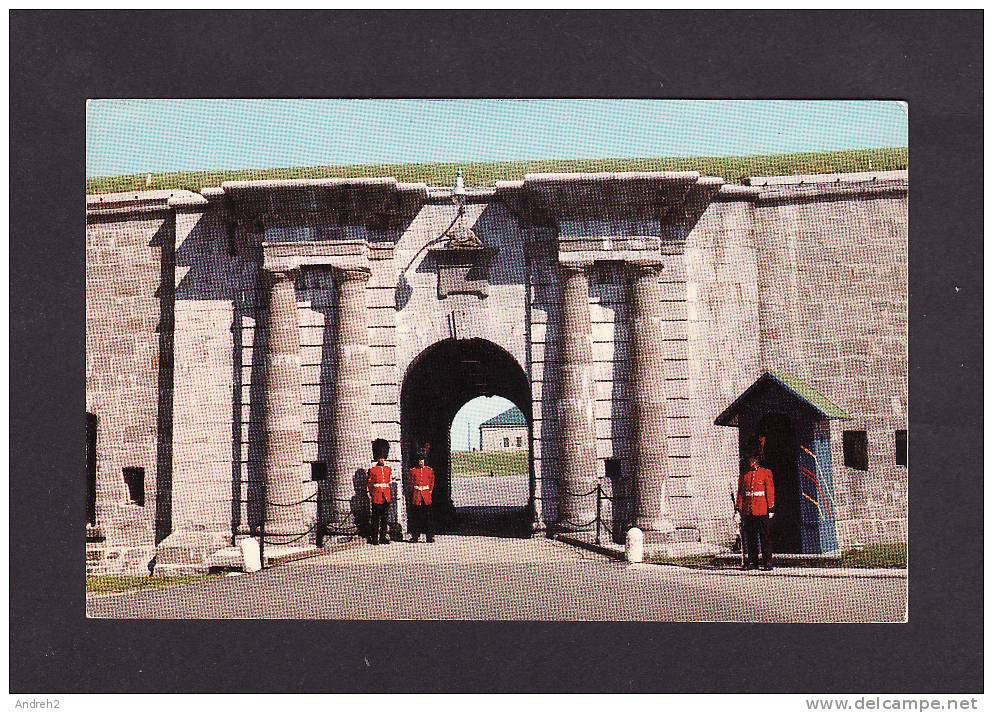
(506, 432)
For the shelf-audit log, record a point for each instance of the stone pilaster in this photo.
(351, 397)
(649, 403)
(283, 418)
(577, 421)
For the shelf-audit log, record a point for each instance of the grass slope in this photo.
(732, 168)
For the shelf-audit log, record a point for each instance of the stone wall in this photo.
(127, 362)
(720, 295)
(833, 311)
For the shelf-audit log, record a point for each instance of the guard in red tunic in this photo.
(421, 490)
(755, 503)
(380, 476)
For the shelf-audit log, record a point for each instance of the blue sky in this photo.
(152, 135)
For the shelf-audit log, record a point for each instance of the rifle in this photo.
(741, 526)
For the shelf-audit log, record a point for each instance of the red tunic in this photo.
(422, 485)
(756, 494)
(379, 484)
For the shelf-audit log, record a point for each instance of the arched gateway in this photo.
(271, 329)
(442, 379)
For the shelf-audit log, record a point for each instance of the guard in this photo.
(422, 488)
(380, 476)
(755, 503)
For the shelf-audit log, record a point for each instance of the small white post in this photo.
(250, 555)
(634, 545)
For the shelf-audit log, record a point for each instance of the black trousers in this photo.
(756, 530)
(379, 530)
(421, 521)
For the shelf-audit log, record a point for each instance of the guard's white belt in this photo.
(380, 485)
(422, 487)
(754, 493)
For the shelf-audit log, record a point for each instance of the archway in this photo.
(442, 379)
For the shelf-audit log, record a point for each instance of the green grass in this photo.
(106, 584)
(483, 463)
(890, 556)
(894, 555)
(732, 168)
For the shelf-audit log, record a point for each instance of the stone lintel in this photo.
(584, 259)
(342, 255)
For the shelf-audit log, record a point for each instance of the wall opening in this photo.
(901, 447)
(134, 479)
(488, 470)
(855, 446)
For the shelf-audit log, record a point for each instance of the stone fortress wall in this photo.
(802, 274)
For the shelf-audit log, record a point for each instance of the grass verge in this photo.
(110, 583)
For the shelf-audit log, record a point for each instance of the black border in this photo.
(933, 60)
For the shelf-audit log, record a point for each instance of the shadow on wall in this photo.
(325, 299)
(548, 299)
(495, 227)
(210, 262)
(164, 239)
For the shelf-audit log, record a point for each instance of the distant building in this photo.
(506, 432)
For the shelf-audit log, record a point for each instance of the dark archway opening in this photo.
(442, 379)
(779, 454)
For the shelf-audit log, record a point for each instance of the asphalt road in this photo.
(468, 577)
(486, 491)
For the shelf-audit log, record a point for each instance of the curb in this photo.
(781, 571)
(604, 550)
(277, 560)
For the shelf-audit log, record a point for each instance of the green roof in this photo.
(797, 387)
(510, 417)
(733, 169)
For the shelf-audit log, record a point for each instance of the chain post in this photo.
(262, 530)
(599, 509)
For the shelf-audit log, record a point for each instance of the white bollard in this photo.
(634, 545)
(250, 555)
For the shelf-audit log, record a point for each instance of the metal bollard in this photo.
(634, 545)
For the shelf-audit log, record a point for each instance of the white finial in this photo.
(458, 192)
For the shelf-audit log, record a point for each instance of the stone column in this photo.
(351, 439)
(577, 420)
(283, 418)
(648, 400)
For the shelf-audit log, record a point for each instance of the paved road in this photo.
(504, 578)
(484, 491)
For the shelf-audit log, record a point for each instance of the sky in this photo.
(125, 136)
(472, 414)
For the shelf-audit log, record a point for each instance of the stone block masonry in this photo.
(247, 339)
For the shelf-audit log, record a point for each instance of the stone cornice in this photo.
(786, 189)
(141, 205)
(377, 203)
(547, 199)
